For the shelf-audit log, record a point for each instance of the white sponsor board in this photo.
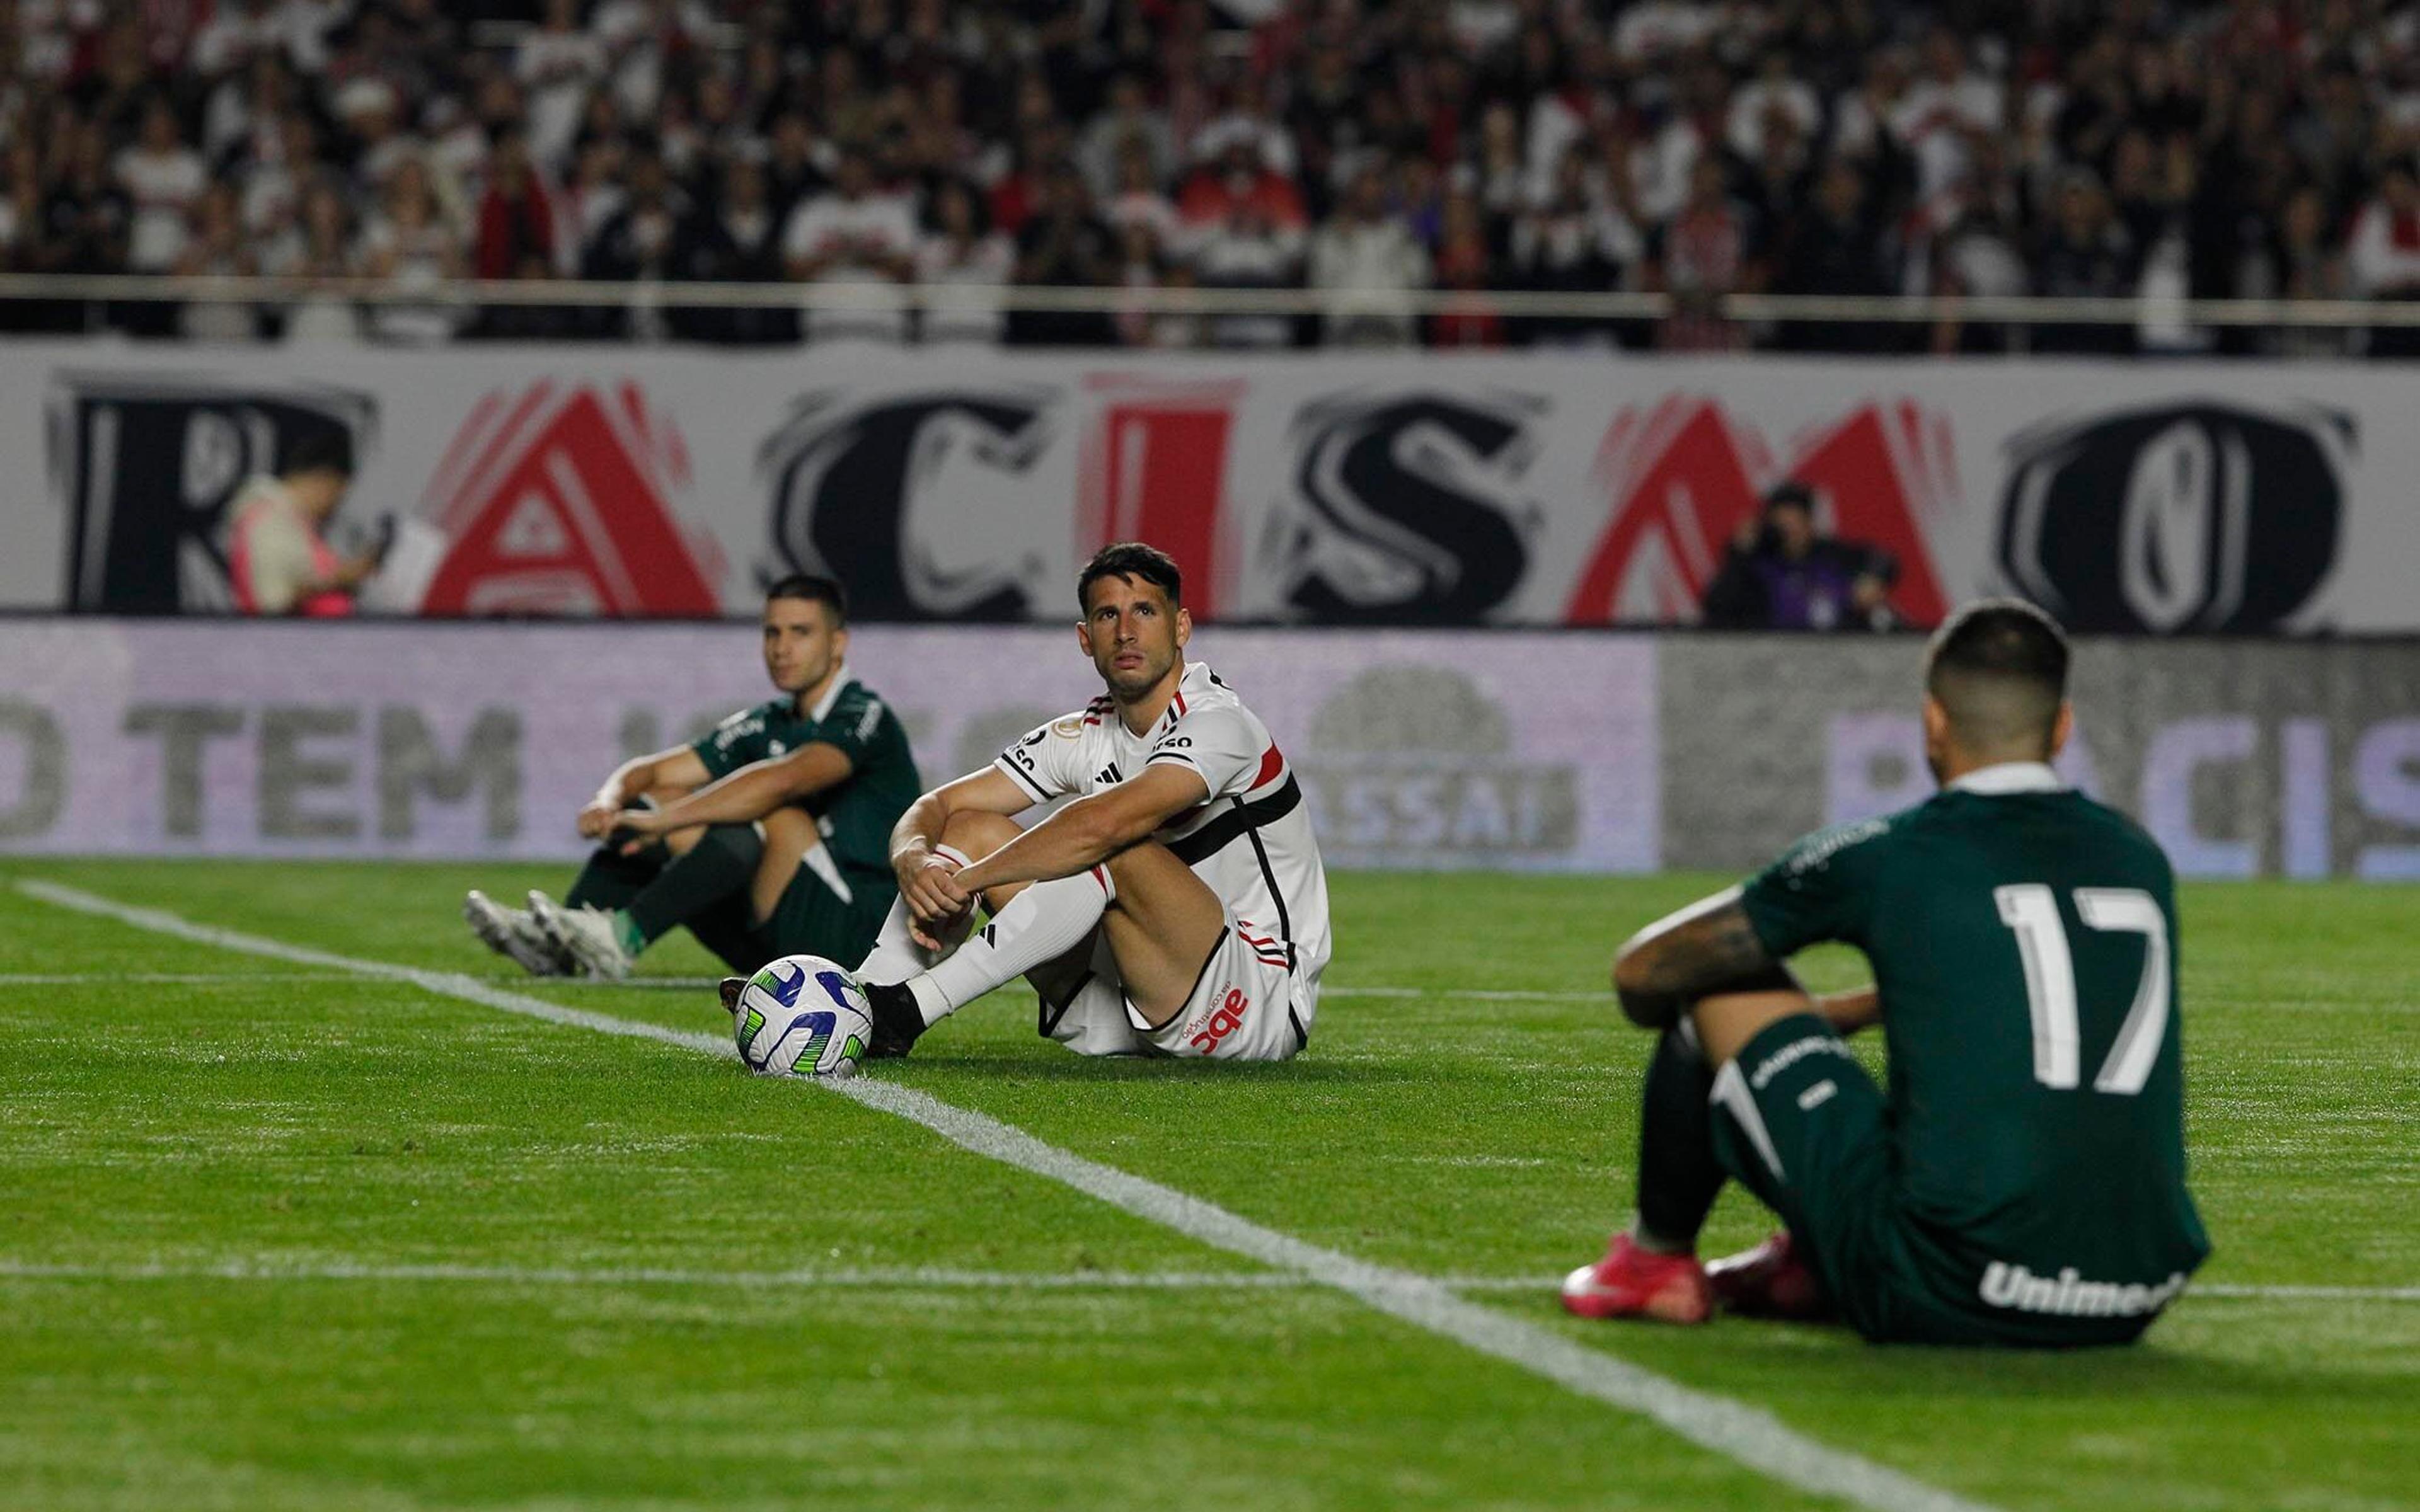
(1517, 749)
(1426, 489)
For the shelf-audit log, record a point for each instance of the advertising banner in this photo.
(1505, 749)
(1509, 751)
(1334, 489)
(2242, 759)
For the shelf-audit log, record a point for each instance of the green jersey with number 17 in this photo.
(2023, 941)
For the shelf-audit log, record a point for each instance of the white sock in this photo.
(1040, 924)
(896, 956)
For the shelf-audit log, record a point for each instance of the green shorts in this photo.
(1799, 1122)
(812, 917)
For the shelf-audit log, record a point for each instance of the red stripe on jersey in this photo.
(1180, 703)
(1271, 764)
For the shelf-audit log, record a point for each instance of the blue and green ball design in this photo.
(778, 1035)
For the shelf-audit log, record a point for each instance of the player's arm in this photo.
(1091, 830)
(1707, 947)
(678, 767)
(925, 883)
(751, 793)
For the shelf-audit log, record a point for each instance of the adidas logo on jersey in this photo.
(1109, 774)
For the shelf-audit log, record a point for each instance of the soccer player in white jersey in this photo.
(1175, 906)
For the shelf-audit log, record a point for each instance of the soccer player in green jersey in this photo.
(769, 837)
(2020, 1179)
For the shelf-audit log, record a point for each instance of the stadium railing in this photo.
(2151, 316)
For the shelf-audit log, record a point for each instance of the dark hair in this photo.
(1791, 494)
(1130, 559)
(329, 450)
(1999, 669)
(814, 589)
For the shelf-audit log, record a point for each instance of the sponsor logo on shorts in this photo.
(2069, 1295)
(1791, 1054)
(1223, 1021)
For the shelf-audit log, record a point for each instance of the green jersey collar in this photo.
(840, 680)
(2004, 778)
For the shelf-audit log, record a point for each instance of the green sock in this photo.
(720, 866)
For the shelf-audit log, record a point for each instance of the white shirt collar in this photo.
(823, 708)
(2004, 778)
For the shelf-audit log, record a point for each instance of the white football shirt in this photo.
(1249, 842)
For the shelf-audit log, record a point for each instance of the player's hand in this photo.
(634, 828)
(599, 818)
(928, 884)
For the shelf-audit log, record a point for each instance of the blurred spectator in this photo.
(516, 219)
(1064, 245)
(1830, 248)
(963, 266)
(1576, 239)
(1700, 254)
(2383, 254)
(320, 247)
(162, 177)
(217, 246)
(1723, 139)
(635, 245)
(557, 64)
(2294, 262)
(415, 243)
(87, 221)
(1465, 263)
(1245, 224)
(1367, 261)
(1127, 128)
(853, 237)
(1775, 89)
(1782, 573)
(2087, 255)
(736, 237)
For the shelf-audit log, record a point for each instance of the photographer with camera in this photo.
(1782, 573)
(278, 557)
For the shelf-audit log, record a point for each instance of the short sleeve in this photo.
(1048, 760)
(854, 727)
(1820, 889)
(733, 744)
(1220, 744)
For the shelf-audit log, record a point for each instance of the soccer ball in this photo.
(801, 1016)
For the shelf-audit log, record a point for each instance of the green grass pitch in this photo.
(275, 1235)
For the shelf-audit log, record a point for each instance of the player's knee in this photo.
(976, 834)
(741, 841)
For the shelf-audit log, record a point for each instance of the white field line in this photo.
(916, 1279)
(165, 979)
(1747, 1435)
(904, 1278)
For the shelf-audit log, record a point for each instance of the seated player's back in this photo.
(2024, 944)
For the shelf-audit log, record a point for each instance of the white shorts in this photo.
(1247, 1005)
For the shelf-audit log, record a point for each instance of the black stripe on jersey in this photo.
(1269, 878)
(1239, 821)
(1301, 1035)
(1028, 784)
(1048, 1015)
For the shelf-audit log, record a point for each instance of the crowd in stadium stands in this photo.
(2154, 150)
